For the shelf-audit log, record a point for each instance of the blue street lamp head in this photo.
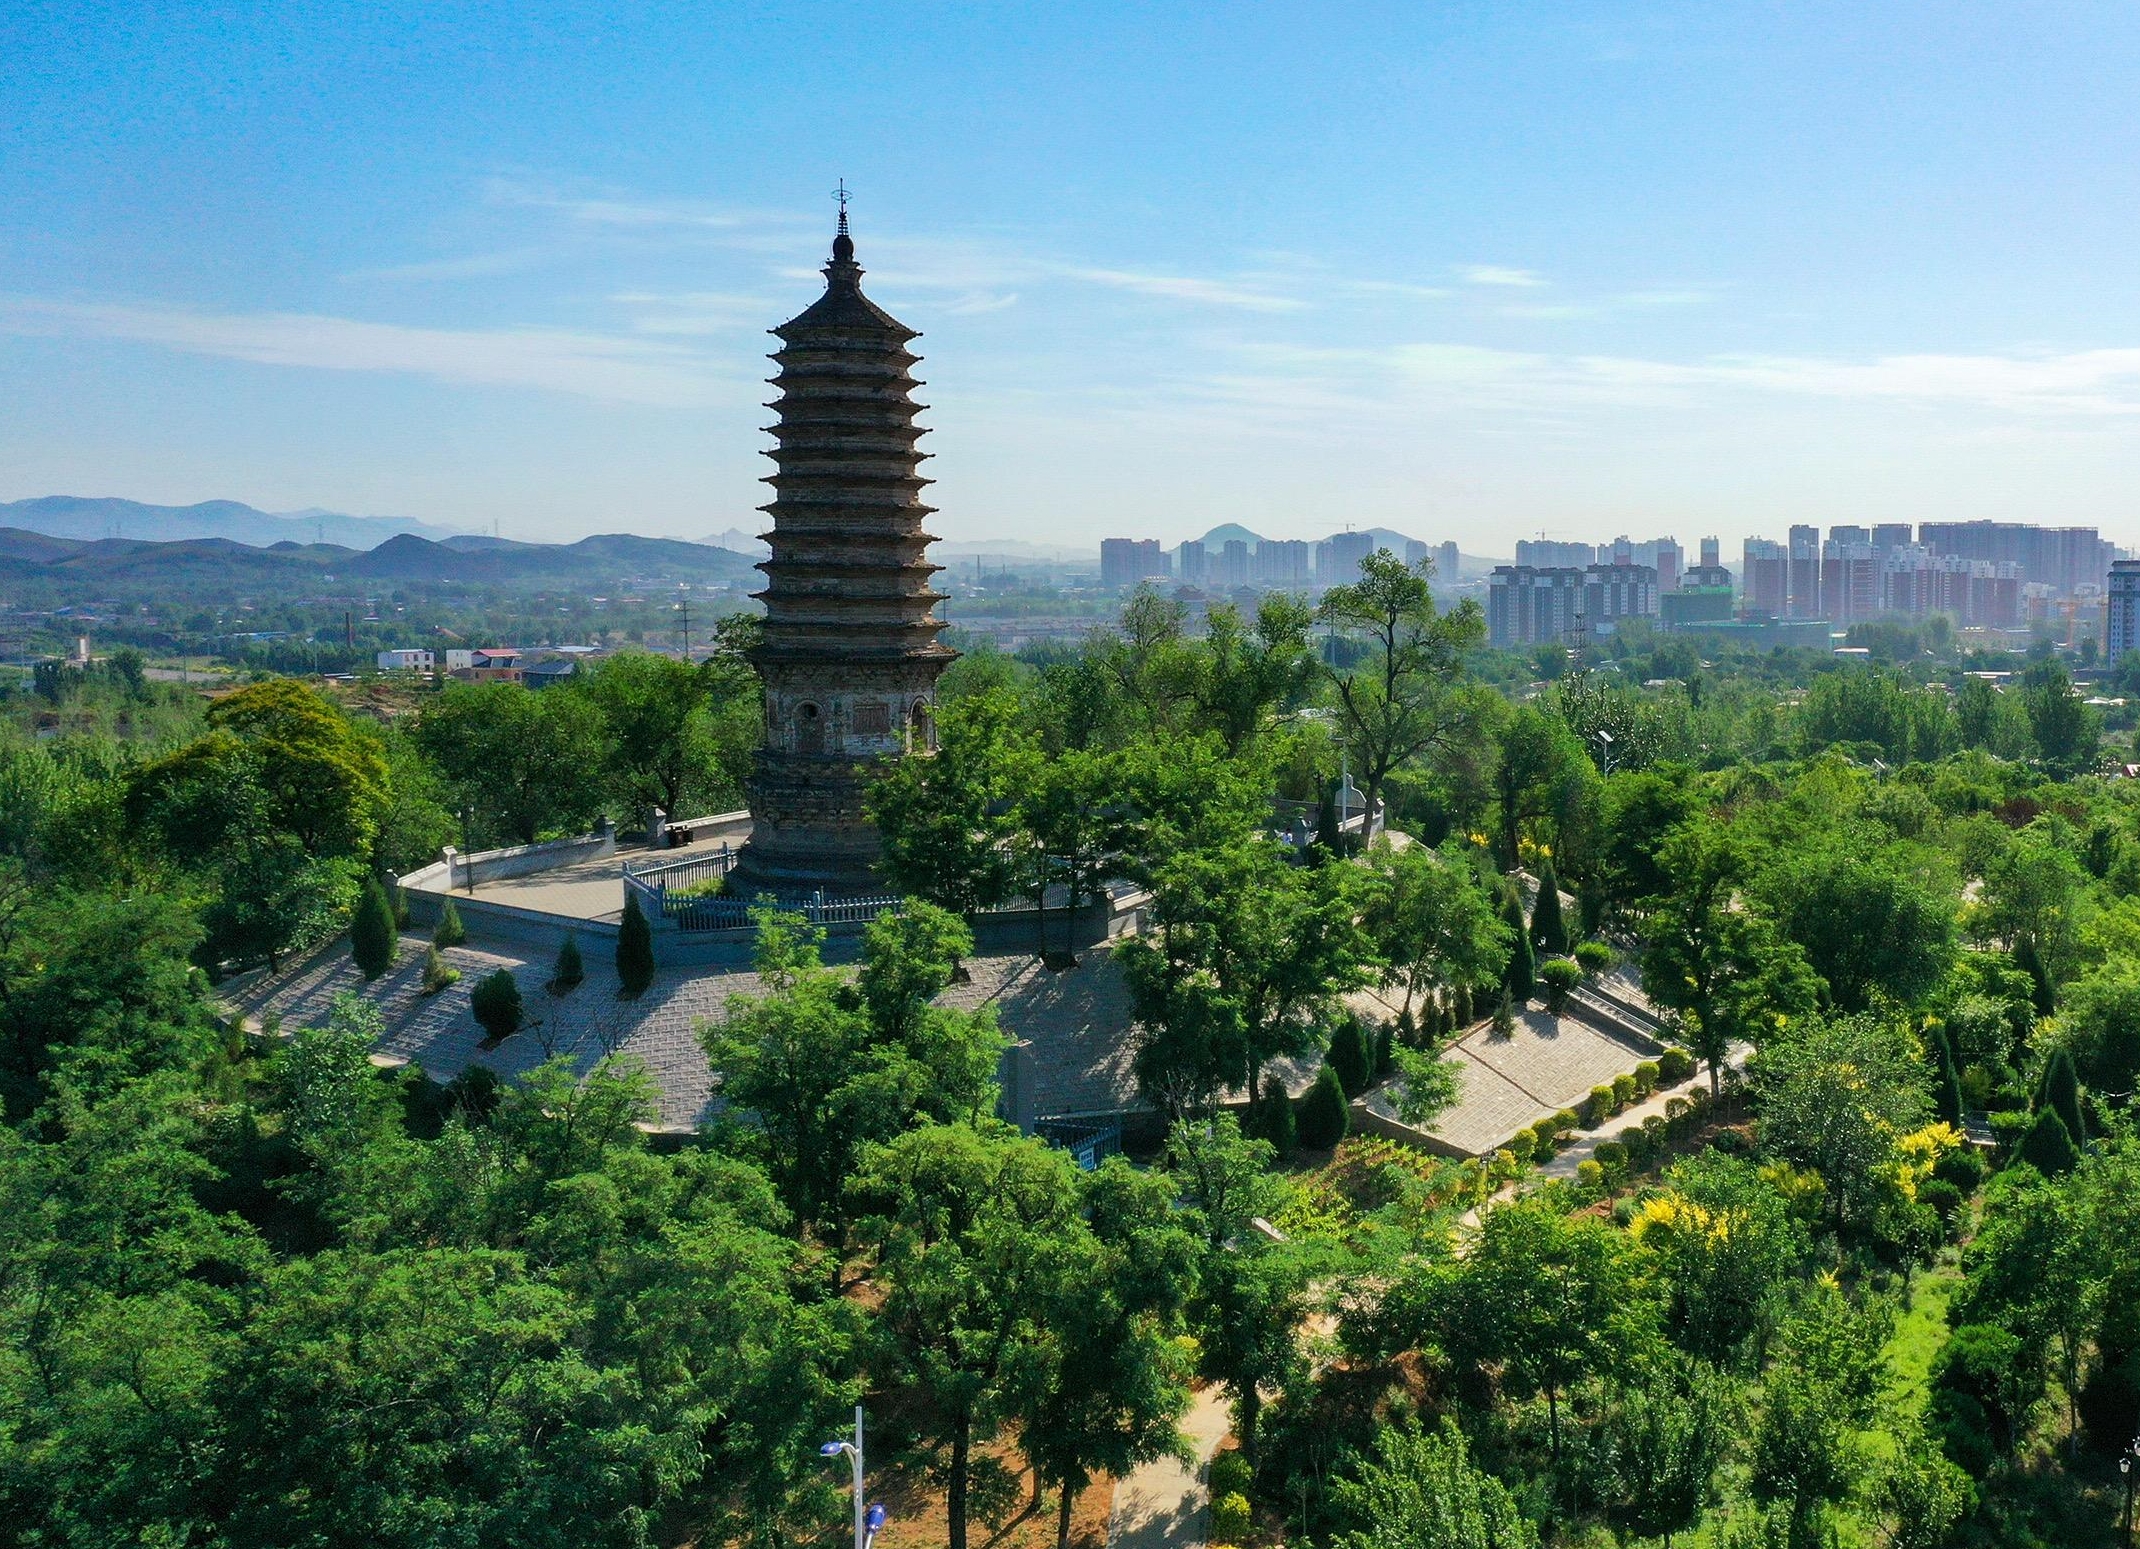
(831, 1449)
(875, 1520)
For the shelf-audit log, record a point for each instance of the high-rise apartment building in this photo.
(1337, 557)
(2121, 609)
(1710, 574)
(1889, 536)
(1233, 567)
(1281, 562)
(1526, 605)
(1190, 563)
(1849, 578)
(1126, 561)
(1544, 554)
(1802, 599)
(1447, 562)
(1415, 552)
(1616, 591)
(1712, 554)
(1975, 593)
(1764, 577)
(2064, 558)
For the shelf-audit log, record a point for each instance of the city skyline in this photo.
(1683, 271)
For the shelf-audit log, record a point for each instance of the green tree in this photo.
(1551, 1299)
(1637, 810)
(978, 1237)
(1432, 921)
(1519, 978)
(1661, 1443)
(1923, 1497)
(326, 784)
(516, 761)
(2048, 1145)
(1324, 1116)
(371, 931)
(635, 948)
(1835, 1097)
(569, 972)
(449, 932)
(1716, 961)
(1245, 677)
(950, 820)
(2066, 730)
(1823, 1391)
(1542, 775)
(496, 1003)
(1406, 696)
(1864, 920)
(1351, 1054)
(1420, 1490)
(1251, 1293)
(1101, 1387)
(2099, 1027)
(1728, 1246)
(677, 733)
(1547, 931)
(2060, 1091)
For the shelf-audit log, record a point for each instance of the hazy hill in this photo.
(89, 517)
(1234, 532)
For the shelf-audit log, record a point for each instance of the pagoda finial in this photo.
(843, 245)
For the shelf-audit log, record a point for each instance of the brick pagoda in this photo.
(849, 657)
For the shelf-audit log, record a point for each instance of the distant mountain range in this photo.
(104, 516)
(211, 566)
(1234, 532)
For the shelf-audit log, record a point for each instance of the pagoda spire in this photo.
(849, 652)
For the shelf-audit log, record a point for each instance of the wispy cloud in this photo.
(1182, 287)
(470, 266)
(1497, 274)
(591, 365)
(695, 312)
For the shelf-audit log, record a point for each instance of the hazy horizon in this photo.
(1577, 271)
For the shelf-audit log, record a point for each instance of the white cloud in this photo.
(559, 360)
(1496, 274)
(1177, 287)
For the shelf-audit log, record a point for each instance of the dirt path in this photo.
(1163, 1505)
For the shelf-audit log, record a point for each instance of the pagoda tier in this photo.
(849, 654)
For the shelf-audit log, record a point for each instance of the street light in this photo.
(868, 1519)
(2125, 1471)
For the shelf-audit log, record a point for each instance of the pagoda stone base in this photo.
(809, 832)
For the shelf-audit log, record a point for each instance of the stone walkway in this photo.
(1164, 1505)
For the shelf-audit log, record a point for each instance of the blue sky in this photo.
(1468, 271)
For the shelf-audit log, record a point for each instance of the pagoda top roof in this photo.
(843, 306)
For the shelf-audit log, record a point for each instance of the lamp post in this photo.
(868, 1519)
(2125, 1472)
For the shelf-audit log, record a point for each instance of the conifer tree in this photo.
(1351, 1056)
(1520, 977)
(2048, 1147)
(371, 931)
(635, 949)
(1947, 1087)
(1275, 1119)
(569, 970)
(2060, 1091)
(1547, 928)
(448, 932)
(1324, 1118)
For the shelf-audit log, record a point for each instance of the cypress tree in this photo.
(496, 1004)
(1275, 1123)
(1385, 1049)
(448, 931)
(2030, 962)
(2048, 1147)
(569, 971)
(635, 949)
(1328, 837)
(1504, 1017)
(1351, 1057)
(371, 931)
(1520, 977)
(1947, 1087)
(1324, 1117)
(2060, 1091)
(1547, 928)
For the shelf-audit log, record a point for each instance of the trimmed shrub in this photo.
(1647, 1075)
(1612, 1156)
(1593, 957)
(1598, 1106)
(371, 931)
(1351, 1056)
(1547, 930)
(1961, 1167)
(1657, 1132)
(1623, 1091)
(438, 973)
(1229, 1475)
(1676, 1109)
(496, 1003)
(1675, 1065)
(1323, 1118)
(1230, 1518)
(448, 932)
(1637, 1145)
(1942, 1196)
(1559, 976)
(1565, 1120)
(1504, 1165)
(1590, 1176)
(635, 949)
